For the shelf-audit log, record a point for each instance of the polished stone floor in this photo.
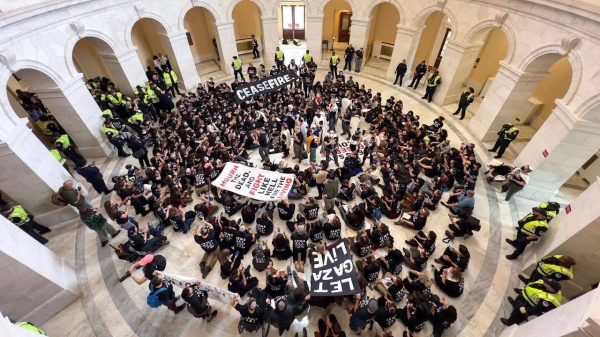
(110, 308)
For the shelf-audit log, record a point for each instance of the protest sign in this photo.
(265, 85)
(344, 150)
(254, 183)
(333, 274)
(214, 293)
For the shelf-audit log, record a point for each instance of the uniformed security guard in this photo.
(420, 71)
(152, 91)
(141, 93)
(532, 230)
(136, 121)
(255, 47)
(114, 137)
(279, 58)
(558, 267)
(171, 81)
(31, 328)
(19, 217)
(63, 144)
(507, 134)
(432, 83)
(118, 101)
(61, 160)
(307, 58)
(466, 98)
(237, 68)
(536, 299)
(333, 63)
(48, 125)
(552, 208)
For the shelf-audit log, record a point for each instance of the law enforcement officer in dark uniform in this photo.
(63, 144)
(255, 47)
(19, 217)
(400, 71)
(418, 75)
(536, 299)
(279, 59)
(466, 98)
(348, 56)
(531, 231)
(507, 134)
(558, 267)
(433, 81)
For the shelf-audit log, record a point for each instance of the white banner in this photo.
(254, 183)
(214, 293)
(344, 150)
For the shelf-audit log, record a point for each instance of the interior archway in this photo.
(384, 19)
(337, 17)
(204, 40)
(433, 41)
(247, 22)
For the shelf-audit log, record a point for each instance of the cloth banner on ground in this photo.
(265, 85)
(254, 183)
(344, 150)
(214, 293)
(333, 274)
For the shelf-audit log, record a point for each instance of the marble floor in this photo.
(110, 308)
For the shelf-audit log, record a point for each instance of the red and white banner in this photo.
(345, 150)
(254, 183)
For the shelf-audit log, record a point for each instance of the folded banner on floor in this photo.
(214, 293)
(254, 183)
(344, 150)
(264, 86)
(333, 274)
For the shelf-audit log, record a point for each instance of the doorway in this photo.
(292, 21)
(442, 48)
(345, 24)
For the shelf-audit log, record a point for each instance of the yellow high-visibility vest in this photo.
(534, 295)
(138, 118)
(530, 227)
(335, 60)
(170, 76)
(19, 212)
(307, 58)
(64, 140)
(57, 156)
(435, 80)
(279, 55)
(237, 64)
(112, 131)
(44, 126)
(547, 269)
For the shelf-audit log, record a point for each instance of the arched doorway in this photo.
(204, 41)
(247, 22)
(384, 19)
(337, 27)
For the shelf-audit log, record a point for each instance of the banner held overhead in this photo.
(333, 273)
(247, 90)
(254, 183)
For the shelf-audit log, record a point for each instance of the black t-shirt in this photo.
(316, 233)
(264, 226)
(164, 296)
(311, 212)
(299, 242)
(243, 241)
(263, 140)
(276, 285)
(285, 212)
(397, 292)
(361, 250)
(383, 316)
(371, 272)
(199, 300)
(331, 232)
(261, 260)
(418, 221)
(362, 313)
(208, 244)
(254, 318)
(138, 241)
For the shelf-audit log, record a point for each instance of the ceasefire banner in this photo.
(333, 274)
(254, 183)
(214, 293)
(265, 85)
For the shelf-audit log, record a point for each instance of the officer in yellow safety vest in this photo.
(255, 52)
(558, 267)
(48, 125)
(536, 299)
(237, 68)
(466, 98)
(136, 121)
(307, 58)
(60, 159)
(279, 58)
(114, 137)
(108, 113)
(31, 328)
(90, 85)
(531, 231)
(171, 80)
(118, 101)
(63, 144)
(551, 207)
(432, 83)
(19, 217)
(507, 134)
(333, 63)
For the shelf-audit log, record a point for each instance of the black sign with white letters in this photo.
(246, 91)
(333, 274)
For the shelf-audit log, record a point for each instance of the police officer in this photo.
(532, 230)
(432, 83)
(31, 328)
(348, 56)
(48, 125)
(118, 101)
(307, 58)
(114, 137)
(61, 160)
(171, 81)
(552, 208)
(536, 299)
(63, 144)
(136, 121)
(92, 175)
(466, 98)
(19, 217)
(507, 134)
(420, 71)
(558, 267)
(237, 68)
(358, 60)
(279, 59)
(255, 47)
(333, 63)
(400, 71)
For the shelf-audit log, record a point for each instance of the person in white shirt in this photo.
(157, 65)
(287, 142)
(518, 179)
(164, 60)
(333, 110)
(319, 119)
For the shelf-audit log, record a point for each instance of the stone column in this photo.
(314, 36)
(178, 50)
(226, 44)
(359, 38)
(455, 69)
(36, 283)
(78, 113)
(126, 70)
(508, 94)
(556, 151)
(29, 175)
(405, 47)
(271, 40)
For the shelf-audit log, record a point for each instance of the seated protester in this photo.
(417, 282)
(346, 191)
(386, 314)
(416, 258)
(227, 234)
(161, 212)
(315, 230)
(392, 262)
(252, 315)
(391, 286)
(390, 207)
(241, 282)
(455, 258)
(206, 236)
(371, 208)
(370, 268)
(380, 236)
(431, 167)
(352, 165)
(229, 262)
(461, 202)
(413, 316)
(441, 314)
(197, 302)
(264, 224)
(281, 246)
(353, 216)
(142, 243)
(300, 247)
(330, 326)
(417, 220)
(149, 264)
(360, 244)
(425, 241)
(178, 220)
(206, 208)
(231, 206)
(462, 225)
(332, 227)
(363, 313)
(244, 240)
(449, 280)
(249, 212)
(292, 225)
(261, 257)
(431, 203)
(285, 210)
(310, 209)
(167, 296)
(276, 282)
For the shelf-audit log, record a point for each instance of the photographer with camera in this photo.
(330, 141)
(149, 264)
(206, 236)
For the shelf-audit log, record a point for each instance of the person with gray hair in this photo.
(300, 247)
(362, 314)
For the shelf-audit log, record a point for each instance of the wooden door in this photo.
(293, 22)
(345, 24)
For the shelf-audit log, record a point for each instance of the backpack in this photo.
(377, 214)
(474, 223)
(57, 199)
(152, 298)
(159, 263)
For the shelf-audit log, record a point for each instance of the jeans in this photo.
(512, 189)
(334, 153)
(105, 230)
(187, 224)
(264, 153)
(213, 257)
(357, 64)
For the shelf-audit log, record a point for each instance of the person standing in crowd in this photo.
(237, 68)
(466, 98)
(358, 60)
(330, 141)
(400, 72)
(517, 179)
(61, 160)
(507, 134)
(95, 221)
(92, 175)
(333, 63)
(23, 220)
(255, 52)
(279, 59)
(163, 289)
(535, 299)
(63, 144)
(433, 81)
(363, 314)
(307, 58)
(263, 145)
(348, 56)
(420, 71)
(197, 302)
(531, 231)
(139, 151)
(171, 81)
(558, 267)
(206, 237)
(73, 196)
